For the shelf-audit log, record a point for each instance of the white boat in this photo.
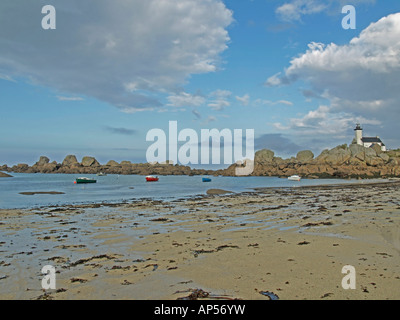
(294, 178)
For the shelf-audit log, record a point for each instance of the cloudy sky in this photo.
(113, 70)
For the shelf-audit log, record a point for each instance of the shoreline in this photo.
(208, 193)
(292, 242)
(361, 183)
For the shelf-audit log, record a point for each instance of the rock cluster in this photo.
(344, 161)
(89, 165)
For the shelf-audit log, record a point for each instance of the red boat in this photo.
(151, 178)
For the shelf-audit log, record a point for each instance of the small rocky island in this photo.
(5, 175)
(342, 162)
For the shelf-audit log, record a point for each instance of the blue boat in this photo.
(206, 180)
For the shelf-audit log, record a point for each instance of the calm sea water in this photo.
(116, 188)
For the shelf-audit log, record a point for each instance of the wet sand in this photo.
(292, 242)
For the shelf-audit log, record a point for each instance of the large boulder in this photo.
(377, 148)
(384, 157)
(112, 163)
(356, 149)
(264, 156)
(42, 161)
(336, 156)
(371, 157)
(89, 162)
(49, 167)
(370, 153)
(305, 156)
(70, 161)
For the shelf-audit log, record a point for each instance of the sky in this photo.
(111, 71)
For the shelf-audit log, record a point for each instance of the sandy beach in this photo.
(292, 242)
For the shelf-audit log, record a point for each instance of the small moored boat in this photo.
(151, 178)
(85, 180)
(101, 174)
(294, 178)
(206, 180)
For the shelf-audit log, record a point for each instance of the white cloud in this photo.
(280, 126)
(273, 103)
(368, 68)
(219, 105)
(324, 121)
(220, 99)
(244, 100)
(6, 77)
(184, 99)
(221, 94)
(361, 79)
(294, 10)
(274, 80)
(209, 119)
(285, 102)
(126, 53)
(61, 98)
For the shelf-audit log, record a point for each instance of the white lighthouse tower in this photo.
(359, 134)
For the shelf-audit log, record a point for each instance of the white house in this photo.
(367, 142)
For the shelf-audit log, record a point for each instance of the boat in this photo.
(294, 178)
(206, 180)
(85, 180)
(151, 178)
(101, 174)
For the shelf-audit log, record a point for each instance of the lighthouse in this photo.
(359, 134)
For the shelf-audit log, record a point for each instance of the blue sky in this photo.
(112, 71)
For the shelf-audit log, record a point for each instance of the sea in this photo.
(124, 188)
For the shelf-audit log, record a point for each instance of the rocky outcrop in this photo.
(343, 161)
(4, 168)
(42, 161)
(20, 168)
(336, 156)
(112, 163)
(44, 166)
(89, 162)
(305, 156)
(69, 165)
(70, 161)
(89, 165)
(5, 175)
(264, 157)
